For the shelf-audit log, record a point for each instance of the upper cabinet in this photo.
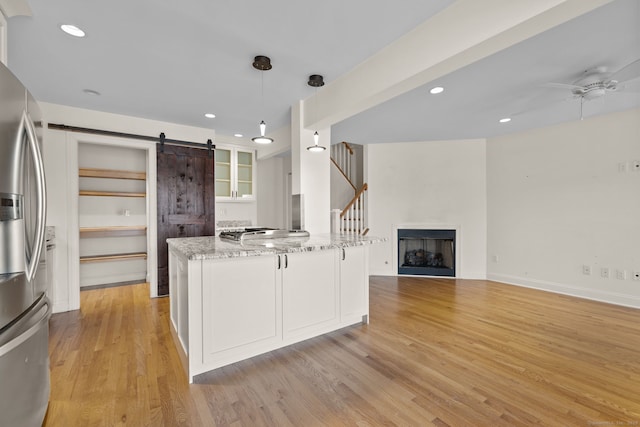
(234, 174)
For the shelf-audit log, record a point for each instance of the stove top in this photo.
(261, 233)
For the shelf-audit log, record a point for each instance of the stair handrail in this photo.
(348, 147)
(344, 175)
(354, 200)
(353, 220)
(342, 156)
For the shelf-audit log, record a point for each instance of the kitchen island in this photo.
(234, 300)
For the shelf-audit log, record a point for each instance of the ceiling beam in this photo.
(463, 33)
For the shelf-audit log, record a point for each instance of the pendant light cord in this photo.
(262, 94)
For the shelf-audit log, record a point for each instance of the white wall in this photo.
(271, 192)
(438, 182)
(3, 38)
(563, 197)
(311, 173)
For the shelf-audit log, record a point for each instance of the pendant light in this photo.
(262, 63)
(316, 81)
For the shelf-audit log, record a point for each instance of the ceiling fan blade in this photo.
(627, 73)
(562, 86)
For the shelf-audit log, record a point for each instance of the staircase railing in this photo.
(342, 156)
(353, 216)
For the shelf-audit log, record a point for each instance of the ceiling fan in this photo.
(597, 82)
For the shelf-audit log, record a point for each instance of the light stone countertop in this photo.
(209, 247)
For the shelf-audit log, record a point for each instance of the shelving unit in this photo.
(111, 173)
(113, 257)
(118, 245)
(113, 231)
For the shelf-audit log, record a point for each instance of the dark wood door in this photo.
(186, 200)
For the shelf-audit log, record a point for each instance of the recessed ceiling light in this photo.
(91, 92)
(210, 116)
(238, 135)
(72, 30)
(436, 90)
(505, 120)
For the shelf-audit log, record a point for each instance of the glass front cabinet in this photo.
(234, 174)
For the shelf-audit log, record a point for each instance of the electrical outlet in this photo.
(604, 272)
(636, 275)
(621, 274)
(586, 270)
(495, 258)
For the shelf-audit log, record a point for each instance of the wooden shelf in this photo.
(111, 193)
(113, 257)
(111, 173)
(113, 231)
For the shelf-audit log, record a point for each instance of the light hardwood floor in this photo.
(437, 352)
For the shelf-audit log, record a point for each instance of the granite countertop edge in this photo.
(210, 247)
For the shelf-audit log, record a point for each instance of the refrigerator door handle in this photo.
(27, 125)
(24, 336)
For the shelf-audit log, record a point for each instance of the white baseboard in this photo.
(560, 288)
(60, 306)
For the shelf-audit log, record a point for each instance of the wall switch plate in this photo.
(604, 272)
(636, 275)
(586, 270)
(621, 274)
(495, 258)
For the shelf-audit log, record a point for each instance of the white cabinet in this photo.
(354, 284)
(230, 309)
(243, 306)
(234, 174)
(309, 292)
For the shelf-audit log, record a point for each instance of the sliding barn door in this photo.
(186, 200)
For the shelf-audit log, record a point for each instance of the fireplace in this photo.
(427, 252)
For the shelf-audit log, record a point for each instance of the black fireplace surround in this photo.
(427, 252)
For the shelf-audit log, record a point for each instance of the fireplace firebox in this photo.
(427, 252)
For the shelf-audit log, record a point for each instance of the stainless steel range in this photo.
(261, 233)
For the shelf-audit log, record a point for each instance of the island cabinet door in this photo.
(309, 293)
(354, 285)
(241, 308)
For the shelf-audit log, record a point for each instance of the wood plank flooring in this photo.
(436, 353)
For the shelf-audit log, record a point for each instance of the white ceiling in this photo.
(168, 62)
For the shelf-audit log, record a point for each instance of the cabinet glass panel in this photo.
(223, 156)
(223, 188)
(245, 174)
(223, 173)
(244, 189)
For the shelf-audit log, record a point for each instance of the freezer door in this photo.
(24, 368)
(16, 295)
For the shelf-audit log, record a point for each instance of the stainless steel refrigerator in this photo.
(24, 306)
